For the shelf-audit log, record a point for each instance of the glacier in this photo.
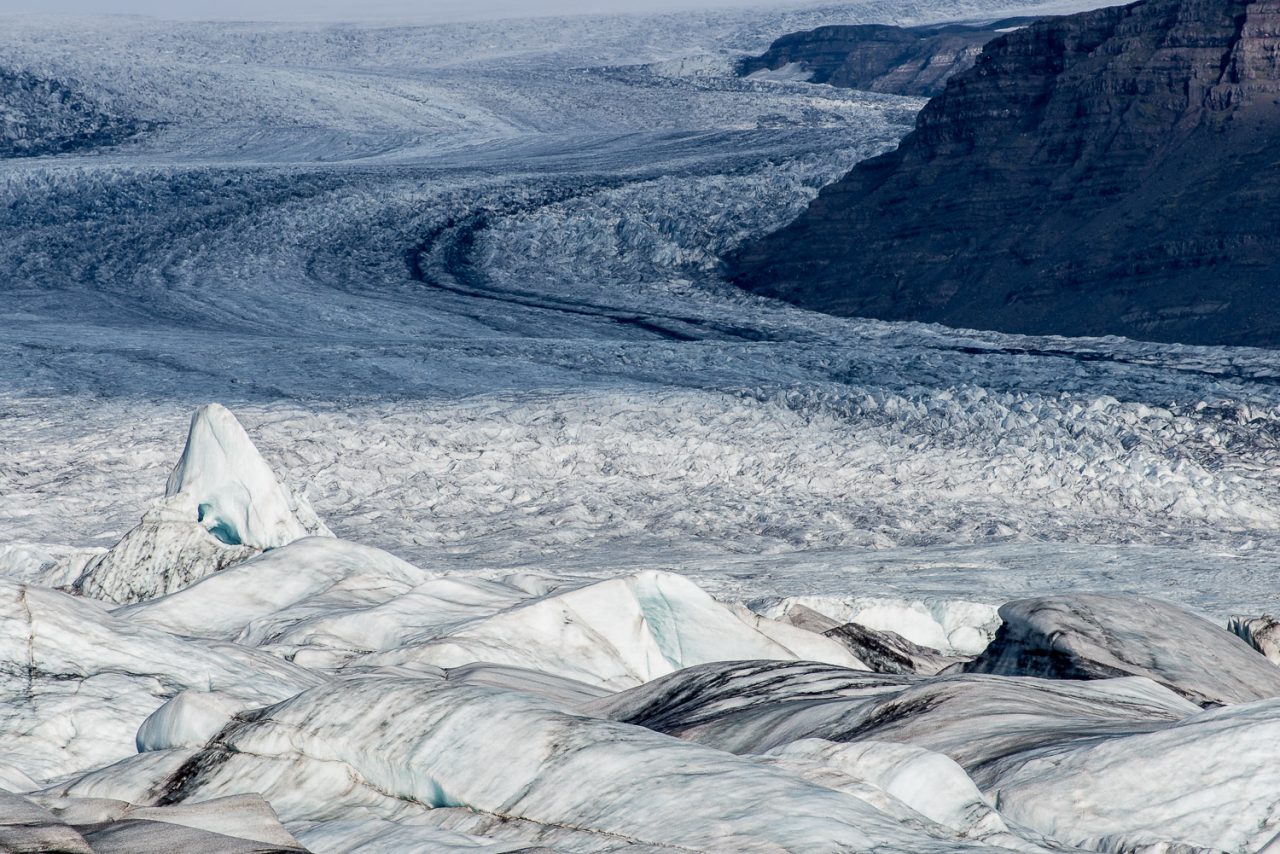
(386, 466)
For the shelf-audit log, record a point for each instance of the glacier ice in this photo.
(459, 284)
(1261, 633)
(77, 682)
(889, 652)
(616, 634)
(954, 627)
(928, 782)
(222, 505)
(235, 825)
(1205, 782)
(594, 776)
(305, 586)
(1087, 636)
(372, 702)
(236, 495)
(328, 602)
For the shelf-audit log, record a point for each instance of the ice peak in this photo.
(222, 505)
(235, 493)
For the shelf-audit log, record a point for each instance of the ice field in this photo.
(459, 284)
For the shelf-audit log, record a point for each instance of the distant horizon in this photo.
(373, 10)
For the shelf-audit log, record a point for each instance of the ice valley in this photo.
(521, 529)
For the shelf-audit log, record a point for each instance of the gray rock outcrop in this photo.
(1111, 172)
(880, 58)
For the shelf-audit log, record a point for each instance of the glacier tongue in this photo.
(463, 283)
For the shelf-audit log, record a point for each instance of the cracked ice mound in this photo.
(222, 505)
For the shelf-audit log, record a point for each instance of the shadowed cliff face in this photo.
(879, 58)
(1113, 172)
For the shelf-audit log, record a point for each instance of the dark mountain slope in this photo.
(1112, 172)
(881, 58)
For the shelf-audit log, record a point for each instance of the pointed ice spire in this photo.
(236, 495)
(222, 505)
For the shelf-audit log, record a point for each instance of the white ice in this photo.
(459, 285)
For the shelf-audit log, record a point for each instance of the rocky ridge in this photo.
(1111, 172)
(879, 57)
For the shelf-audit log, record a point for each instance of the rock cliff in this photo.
(1111, 172)
(880, 58)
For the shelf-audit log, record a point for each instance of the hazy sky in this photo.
(360, 9)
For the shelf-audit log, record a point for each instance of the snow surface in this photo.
(459, 286)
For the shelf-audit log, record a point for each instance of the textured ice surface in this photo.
(1125, 793)
(615, 634)
(236, 825)
(929, 782)
(1261, 633)
(328, 602)
(951, 626)
(454, 747)
(76, 682)
(459, 286)
(1095, 636)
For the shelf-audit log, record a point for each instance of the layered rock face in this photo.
(1112, 172)
(880, 58)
